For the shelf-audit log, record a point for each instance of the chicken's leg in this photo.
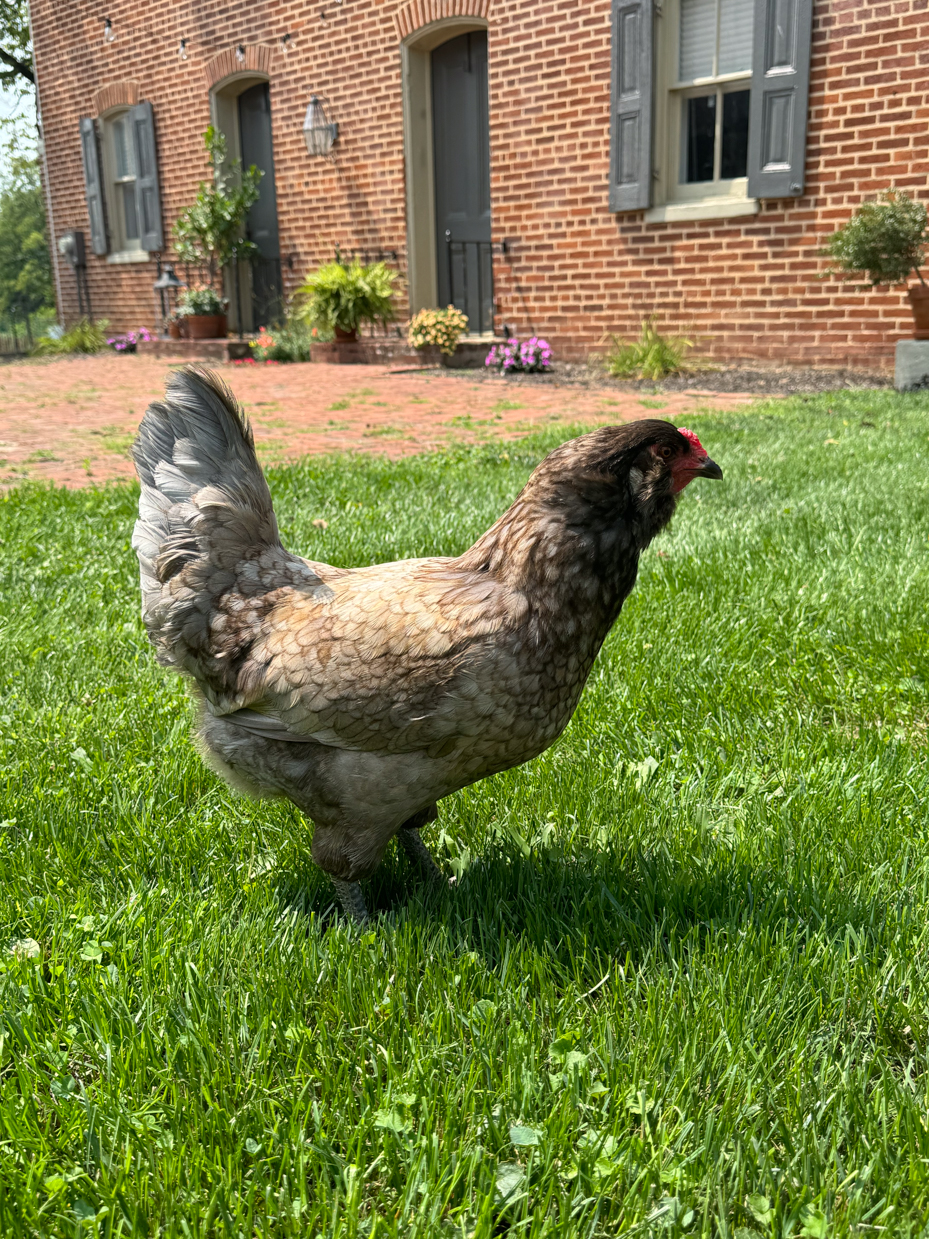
(352, 900)
(412, 843)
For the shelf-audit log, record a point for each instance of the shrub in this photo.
(288, 343)
(443, 328)
(83, 337)
(201, 301)
(210, 231)
(533, 356)
(344, 297)
(884, 240)
(652, 356)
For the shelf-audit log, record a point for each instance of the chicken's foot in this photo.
(412, 843)
(352, 900)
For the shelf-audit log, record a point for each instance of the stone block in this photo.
(911, 365)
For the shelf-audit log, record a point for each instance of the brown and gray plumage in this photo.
(365, 695)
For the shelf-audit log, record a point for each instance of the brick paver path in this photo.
(71, 420)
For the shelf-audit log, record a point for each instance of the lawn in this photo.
(682, 986)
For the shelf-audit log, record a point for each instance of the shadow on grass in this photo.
(598, 905)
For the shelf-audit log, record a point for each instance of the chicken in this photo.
(365, 695)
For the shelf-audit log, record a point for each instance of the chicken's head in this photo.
(627, 476)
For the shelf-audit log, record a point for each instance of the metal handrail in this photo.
(481, 247)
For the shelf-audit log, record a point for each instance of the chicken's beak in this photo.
(708, 469)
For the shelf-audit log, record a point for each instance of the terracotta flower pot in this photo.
(919, 304)
(205, 326)
(345, 336)
(174, 330)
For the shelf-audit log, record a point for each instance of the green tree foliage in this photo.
(15, 45)
(209, 232)
(884, 240)
(25, 264)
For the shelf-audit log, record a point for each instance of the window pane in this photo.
(734, 160)
(129, 212)
(121, 148)
(735, 35)
(698, 39)
(699, 137)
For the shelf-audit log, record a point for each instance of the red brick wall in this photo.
(745, 288)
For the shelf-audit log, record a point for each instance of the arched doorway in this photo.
(447, 156)
(461, 162)
(242, 111)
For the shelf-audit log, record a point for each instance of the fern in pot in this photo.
(884, 242)
(339, 298)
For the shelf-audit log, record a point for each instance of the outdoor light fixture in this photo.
(287, 44)
(182, 50)
(319, 132)
(240, 54)
(108, 32)
(167, 287)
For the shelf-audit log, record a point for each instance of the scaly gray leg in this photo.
(412, 843)
(352, 900)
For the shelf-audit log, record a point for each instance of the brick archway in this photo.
(226, 64)
(418, 13)
(114, 95)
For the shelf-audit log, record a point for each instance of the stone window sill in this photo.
(128, 256)
(706, 208)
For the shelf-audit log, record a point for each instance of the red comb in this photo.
(692, 440)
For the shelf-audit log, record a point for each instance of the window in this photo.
(120, 171)
(710, 99)
(120, 163)
(709, 103)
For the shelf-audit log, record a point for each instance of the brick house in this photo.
(562, 168)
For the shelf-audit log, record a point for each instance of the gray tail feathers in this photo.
(205, 505)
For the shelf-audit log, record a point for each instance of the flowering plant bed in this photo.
(441, 329)
(533, 356)
(127, 341)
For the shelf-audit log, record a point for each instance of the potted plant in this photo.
(437, 331)
(340, 297)
(885, 241)
(209, 233)
(204, 313)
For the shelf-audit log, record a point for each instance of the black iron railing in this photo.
(267, 292)
(471, 280)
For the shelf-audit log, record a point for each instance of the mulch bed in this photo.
(757, 379)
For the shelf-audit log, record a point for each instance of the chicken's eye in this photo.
(664, 453)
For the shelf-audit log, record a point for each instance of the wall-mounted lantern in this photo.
(319, 132)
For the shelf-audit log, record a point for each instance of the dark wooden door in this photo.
(261, 224)
(461, 136)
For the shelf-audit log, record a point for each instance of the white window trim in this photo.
(673, 199)
(131, 250)
(128, 256)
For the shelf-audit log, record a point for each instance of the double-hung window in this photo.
(708, 104)
(119, 163)
(121, 183)
(710, 98)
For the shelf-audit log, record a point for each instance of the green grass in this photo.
(681, 988)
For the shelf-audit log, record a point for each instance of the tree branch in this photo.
(17, 66)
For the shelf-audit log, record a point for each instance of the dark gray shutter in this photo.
(147, 194)
(631, 105)
(780, 92)
(93, 185)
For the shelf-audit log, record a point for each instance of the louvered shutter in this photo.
(632, 106)
(780, 93)
(147, 192)
(93, 185)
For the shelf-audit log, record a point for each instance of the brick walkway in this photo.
(71, 420)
